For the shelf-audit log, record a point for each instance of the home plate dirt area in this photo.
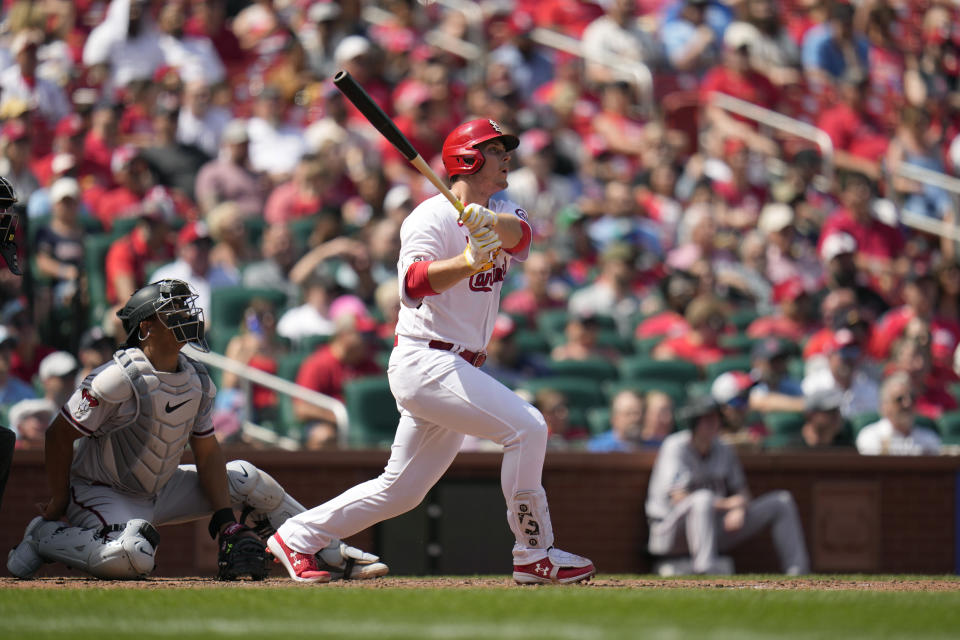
(824, 583)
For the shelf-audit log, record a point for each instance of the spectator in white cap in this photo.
(57, 374)
(29, 419)
(354, 55)
(823, 422)
(398, 203)
(59, 246)
(838, 252)
(229, 178)
(788, 254)
(21, 81)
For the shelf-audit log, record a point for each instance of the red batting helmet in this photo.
(460, 153)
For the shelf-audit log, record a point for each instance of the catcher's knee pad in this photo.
(529, 519)
(129, 555)
(261, 498)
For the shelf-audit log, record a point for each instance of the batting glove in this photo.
(482, 247)
(476, 216)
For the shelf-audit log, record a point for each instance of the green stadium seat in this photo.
(731, 363)
(612, 339)
(676, 390)
(529, 341)
(95, 259)
(784, 423)
(595, 368)
(646, 368)
(372, 411)
(227, 305)
(739, 342)
(645, 346)
(950, 427)
(312, 343)
(858, 422)
(598, 420)
(741, 318)
(585, 393)
(927, 423)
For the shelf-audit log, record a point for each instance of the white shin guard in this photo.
(529, 519)
(130, 555)
(264, 501)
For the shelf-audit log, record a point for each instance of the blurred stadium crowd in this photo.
(681, 249)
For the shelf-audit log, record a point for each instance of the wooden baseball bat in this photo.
(382, 122)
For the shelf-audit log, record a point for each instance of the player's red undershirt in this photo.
(418, 284)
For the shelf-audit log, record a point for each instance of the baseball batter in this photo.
(451, 273)
(134, 416)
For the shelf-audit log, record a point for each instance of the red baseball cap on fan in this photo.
(194, 232)
(69, 126)
(14, 130)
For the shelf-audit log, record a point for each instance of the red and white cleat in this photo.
(559, 567)
(302, 567)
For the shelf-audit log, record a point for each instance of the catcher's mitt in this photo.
(241, 554)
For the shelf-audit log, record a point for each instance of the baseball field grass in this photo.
(744, 608)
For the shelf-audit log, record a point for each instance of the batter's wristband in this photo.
(219, 518)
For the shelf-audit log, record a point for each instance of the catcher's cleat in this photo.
(559, 567)
(24, 560)
(344, 562)
(302, 567)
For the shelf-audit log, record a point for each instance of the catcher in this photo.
(134, 416)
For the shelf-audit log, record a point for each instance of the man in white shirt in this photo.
(275, 147)
(860, 394)
(199, 123)
(194, 56)
(21, 81)
(127, 41)
(896, 433)
(312, 318)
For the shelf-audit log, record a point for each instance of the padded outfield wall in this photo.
(860, 514)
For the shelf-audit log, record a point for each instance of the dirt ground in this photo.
(911, 583)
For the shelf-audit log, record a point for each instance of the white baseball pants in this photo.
(695, 526)
(441, 399)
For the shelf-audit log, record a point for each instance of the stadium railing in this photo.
(279, 385)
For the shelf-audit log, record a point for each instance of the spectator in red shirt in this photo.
(678, 290)
(707, 319)
(794, 319)
(540, 290)
(920, 294)
(878, 245)
(736, 78)
(100, 142)
(68, 139)
(858, 141)
(912, 355)
(347, 356)
(301, 196)
(133, 179)
(28, 350)
(147, 244)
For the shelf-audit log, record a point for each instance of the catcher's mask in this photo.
(8, 226)
(172, 302)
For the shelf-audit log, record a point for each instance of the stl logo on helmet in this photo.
(495, 126)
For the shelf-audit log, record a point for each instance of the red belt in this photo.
(475, 358)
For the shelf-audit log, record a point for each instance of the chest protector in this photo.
(140, 457)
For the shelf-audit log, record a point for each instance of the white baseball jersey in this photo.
(137, 421)
(464, 314)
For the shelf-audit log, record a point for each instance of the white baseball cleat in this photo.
(559, 567)
(302, 567)
(24, 560)
(344, 562)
